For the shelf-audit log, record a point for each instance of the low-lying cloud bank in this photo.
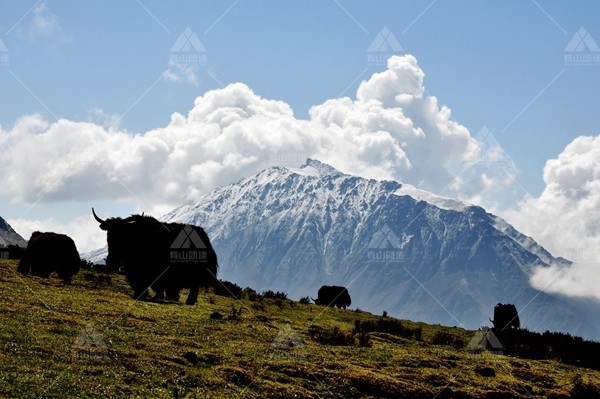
(565, 219)
(391, 131)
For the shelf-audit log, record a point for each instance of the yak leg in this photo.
(159, 290)
(172, 291)
(193, 295)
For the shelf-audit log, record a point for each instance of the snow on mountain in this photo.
(397, 248)
(9, 236)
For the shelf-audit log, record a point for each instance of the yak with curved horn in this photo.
(163, 256)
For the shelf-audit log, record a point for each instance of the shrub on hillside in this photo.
(274, 295)
(227, 288)
(445, 337)
(335, 336)
(305, 300)
(387, 325)
(550, 345)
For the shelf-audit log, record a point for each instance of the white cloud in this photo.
(565, 218)
(44, 24)
(392, 131)
(83, 230)
(182, 72)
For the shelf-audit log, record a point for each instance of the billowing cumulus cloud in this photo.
(565, 219)
(391, 131)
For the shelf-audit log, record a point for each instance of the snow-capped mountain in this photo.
(397, 248)
(9, 236)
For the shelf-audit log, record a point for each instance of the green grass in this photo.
(170, 350)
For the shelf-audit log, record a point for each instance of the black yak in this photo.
(50, 252)
(333, 295)
(164, 256)
(505, 316)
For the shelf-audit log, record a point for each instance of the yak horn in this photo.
(96, 217)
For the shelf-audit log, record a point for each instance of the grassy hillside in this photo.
(170, 350)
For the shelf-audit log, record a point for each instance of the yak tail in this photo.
(313, 299)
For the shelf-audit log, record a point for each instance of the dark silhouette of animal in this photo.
(333, 295)
(50, 252)
(164, 256)
(505, 316)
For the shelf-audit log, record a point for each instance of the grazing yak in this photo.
(50, 252)
(164, 256)
(505, 316)
(333, 295)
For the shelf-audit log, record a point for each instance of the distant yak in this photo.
(164, 256)
(50, 252)
(505, 316)
(333, 295)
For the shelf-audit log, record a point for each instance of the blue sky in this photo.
(494, 64)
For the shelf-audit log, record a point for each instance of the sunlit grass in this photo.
(170, 350)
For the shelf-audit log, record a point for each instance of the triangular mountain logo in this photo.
(487, 138)
(287, 343)
(188, 238)
(581, 41)
(289, 146)
(385, 238)
(188, 41)
(89, 346)
(2, 46)
(384, 41)
(484, 339)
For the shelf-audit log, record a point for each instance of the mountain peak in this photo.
(317, 168)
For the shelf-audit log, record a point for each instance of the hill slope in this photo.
(414, 254)
(166, 350)
(9, 236)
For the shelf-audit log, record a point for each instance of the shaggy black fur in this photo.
(50, 252)
(143, 245)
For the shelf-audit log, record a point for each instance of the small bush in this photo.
(86, 265)
(268, 294)
(331, 337)
(235, 314)
(384, 313)
(259, 306)
(216, 316)
(274, 295)
(212, 300)
(252, 295)
(227, 288)
(305, 300)
(364, 340)
(444, 337)
(388, 325)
